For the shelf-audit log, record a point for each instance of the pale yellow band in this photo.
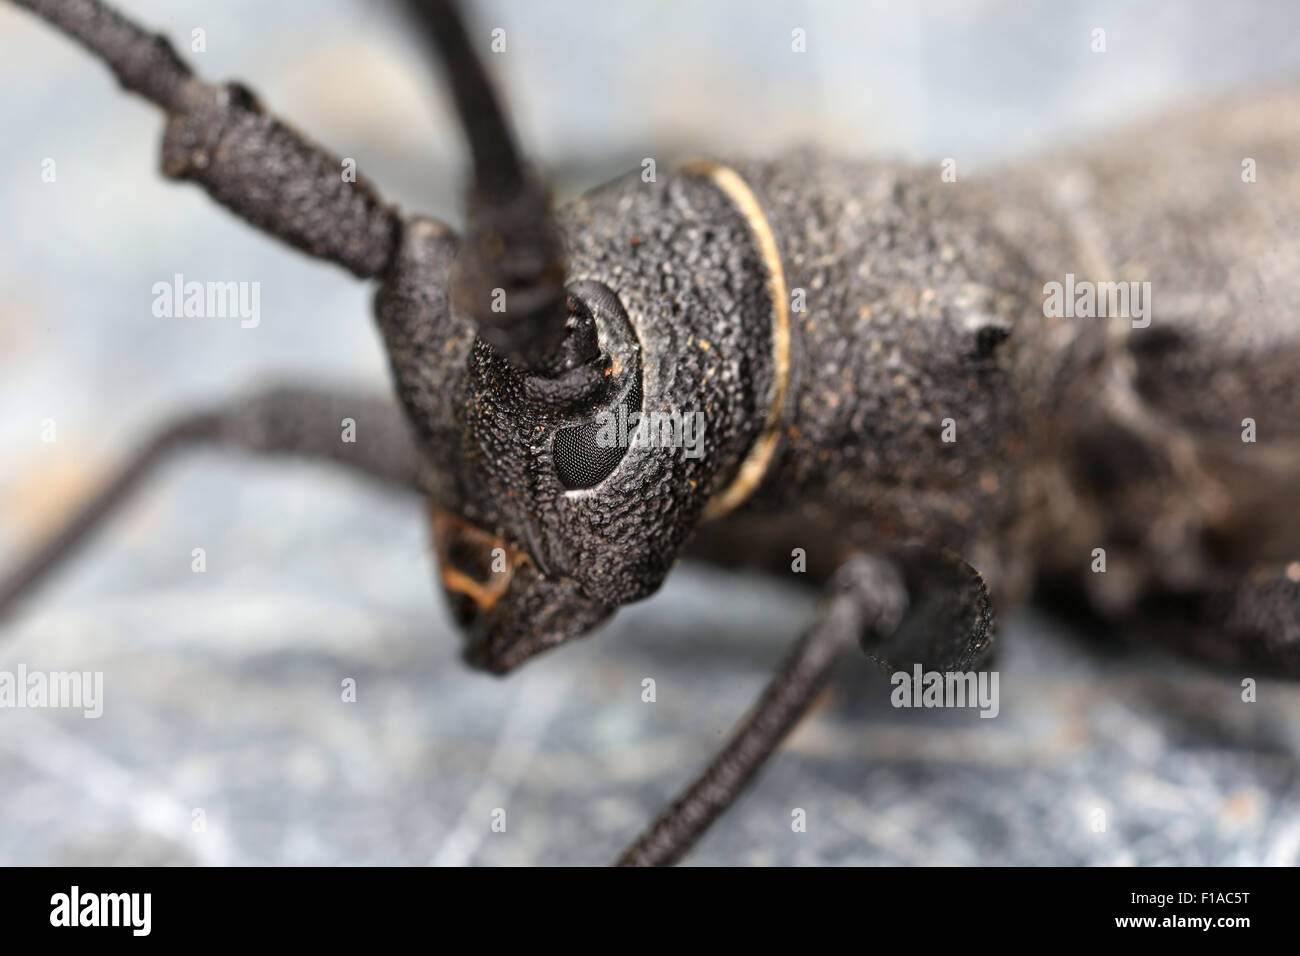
(756, 463)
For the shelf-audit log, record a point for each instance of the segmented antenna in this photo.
(510, 273)
(219, 137)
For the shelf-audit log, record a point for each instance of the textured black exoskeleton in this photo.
(825, 320)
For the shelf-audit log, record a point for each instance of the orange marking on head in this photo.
(459, 542)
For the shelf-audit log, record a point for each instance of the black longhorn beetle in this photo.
(832, 324)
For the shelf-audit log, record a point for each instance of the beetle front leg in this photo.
(287, 421)
(913, 605)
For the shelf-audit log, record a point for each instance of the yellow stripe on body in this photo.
(754, 467)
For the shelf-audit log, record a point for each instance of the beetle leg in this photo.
(290, 421)
(1247, 622)
(890, 605)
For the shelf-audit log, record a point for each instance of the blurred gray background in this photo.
(223, 689)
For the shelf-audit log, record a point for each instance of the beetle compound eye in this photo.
(580, 460)
(586, 454)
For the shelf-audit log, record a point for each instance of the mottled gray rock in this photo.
(223, 692)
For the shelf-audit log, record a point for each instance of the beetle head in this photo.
(575, 436)
(560, 495)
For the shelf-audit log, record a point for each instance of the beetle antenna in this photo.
(219, 137)
(510, 272)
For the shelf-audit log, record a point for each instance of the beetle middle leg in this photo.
(1249, 622)
(911, 605)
